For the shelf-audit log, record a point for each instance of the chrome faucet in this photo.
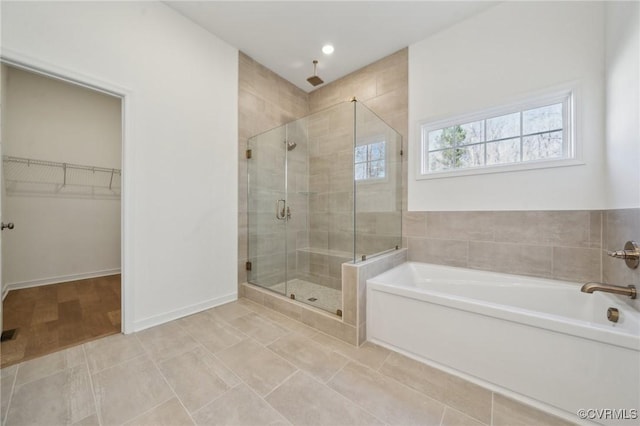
(590, 287)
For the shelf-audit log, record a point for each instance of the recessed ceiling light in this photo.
(327, 49)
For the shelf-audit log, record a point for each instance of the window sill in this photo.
(507, 168)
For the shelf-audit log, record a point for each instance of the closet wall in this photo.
(73, 232)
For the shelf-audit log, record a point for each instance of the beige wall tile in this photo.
(511, 258)
(467, 226)
(558, 228)
(576, 264)
(442, 252)
(619, 226)
(414, 224)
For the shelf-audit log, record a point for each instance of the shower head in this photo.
(291, 145)
(314, 80)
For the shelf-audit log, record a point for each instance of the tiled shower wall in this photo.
(265, 101)
(567, 245)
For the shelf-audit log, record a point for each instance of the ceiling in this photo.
(286, 36)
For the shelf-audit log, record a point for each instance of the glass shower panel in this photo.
(267, 210)
(378, 184)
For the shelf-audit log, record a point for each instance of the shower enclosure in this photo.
(322, 190)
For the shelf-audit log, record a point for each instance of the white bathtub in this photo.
(542, 341)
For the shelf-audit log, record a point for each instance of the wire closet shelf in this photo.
(40, 177)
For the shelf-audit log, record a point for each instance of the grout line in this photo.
(384, 361)
(148, 411)
(281, 383)
(155, 364)
(13, 387)
(93, 391)
(492, 408)
(118, 364)
(443, 413)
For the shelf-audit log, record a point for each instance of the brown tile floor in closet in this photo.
(53, 317)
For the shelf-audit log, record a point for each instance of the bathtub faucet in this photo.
(590, 287)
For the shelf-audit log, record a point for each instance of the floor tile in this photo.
(304, 401)
(258, 327)
(507, 412)
(169, 413)
(91, 420)
(166, 341)
(368, 354)
(49, 364)
(260, 368)
(456, 418)
(229, 311)
(128, 390)
(211, 332)
(193, 377)
(460, 394)
(240, 406)
(384, 398)
(7, 380)
(112, 350)
(310, 356)
(59, 399)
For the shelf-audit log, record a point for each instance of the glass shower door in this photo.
(267, 210)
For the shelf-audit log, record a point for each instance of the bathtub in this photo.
(541, 341)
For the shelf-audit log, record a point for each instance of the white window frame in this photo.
(370, 141)
(566, 96)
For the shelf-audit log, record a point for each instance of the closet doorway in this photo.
(61, 212)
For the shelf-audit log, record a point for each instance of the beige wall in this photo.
(63, 235)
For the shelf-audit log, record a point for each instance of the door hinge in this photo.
(248, 153)
(401, 152)
(247, 266)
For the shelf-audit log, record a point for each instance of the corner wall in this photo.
(181, 87)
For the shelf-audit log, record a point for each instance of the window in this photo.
(370, 161)
(525, 136)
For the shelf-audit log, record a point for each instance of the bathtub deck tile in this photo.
(471, 399)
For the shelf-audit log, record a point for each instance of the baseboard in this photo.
(183, 312)
(5, 291)
(60, 279)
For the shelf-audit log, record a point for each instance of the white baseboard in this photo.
(60, 279)
(5, 291)
(183, 312)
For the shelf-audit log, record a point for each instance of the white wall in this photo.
(58, 238)
(180, 153)
(623, 104)
(497, 57)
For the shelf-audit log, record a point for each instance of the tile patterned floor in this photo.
(243, 364)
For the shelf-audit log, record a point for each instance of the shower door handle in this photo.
(281, 210)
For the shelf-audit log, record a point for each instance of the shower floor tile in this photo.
(326, 298)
